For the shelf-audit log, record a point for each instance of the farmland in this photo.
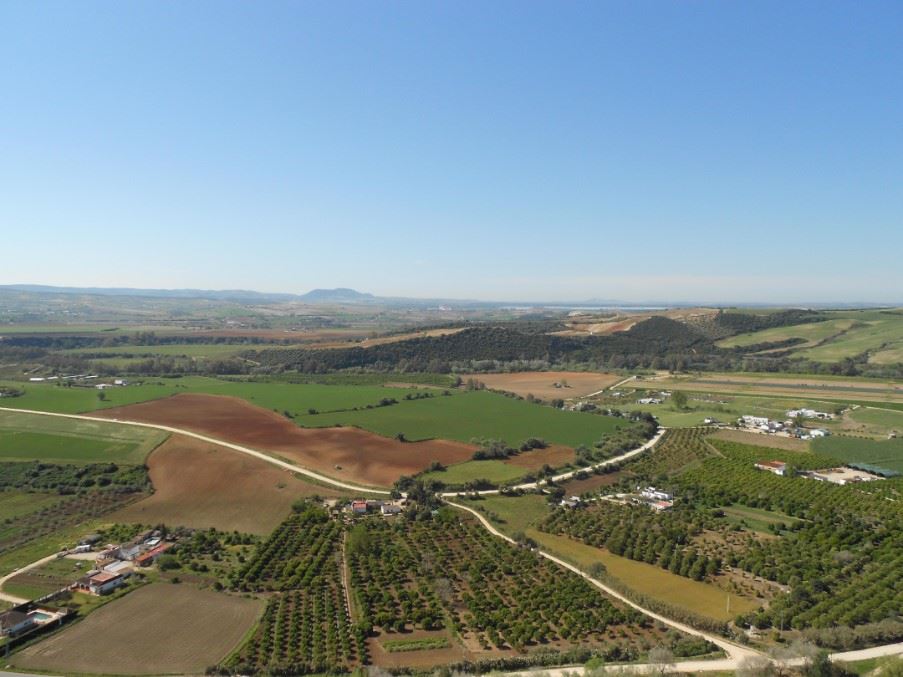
(201, 485)
(346, 453)
(468, 415)
(882, 453)
(174, 628)
(496, 472)
(295, 398)
(542, 384)
(25, 437)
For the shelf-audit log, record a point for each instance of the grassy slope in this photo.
(492, 470)
(871, 337)
(812, 332)
(467, 415)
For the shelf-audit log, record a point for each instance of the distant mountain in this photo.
(339, 295)
(236, 295)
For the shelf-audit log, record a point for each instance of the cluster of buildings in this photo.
(655, 498)
(362, 506)
(810, 413)
(766, 425)
(842, 475)
(654, 398)
(115, 563)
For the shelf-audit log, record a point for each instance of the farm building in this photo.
(100, 583)
(359, 507)
(810, 413)
(776, 467)
(656, 494)
(571, 502)
(148, 558)
(14, 622)
(390, 508)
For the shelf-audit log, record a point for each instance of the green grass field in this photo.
(701, 598)
(14, 504)
(296, 398)
(884, 453)
(811, 332)
(27, 437)
(877, 422)
(467, 415)
(877, 335)
(497, 472)
(756, 519)
(512, 513)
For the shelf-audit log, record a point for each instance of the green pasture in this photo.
(882, 453)
(497, 472)
(512, 513)
(295, 398)
(467, 415)
(15, 504)
(756, 519)
(27, 437)
(877, 335)
(811, 332)
(878, 422)
(705, 599)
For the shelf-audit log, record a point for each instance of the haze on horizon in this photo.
(637, 151)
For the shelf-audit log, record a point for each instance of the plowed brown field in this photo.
(360, 456)
(203, 485)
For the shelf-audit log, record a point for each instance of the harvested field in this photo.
(157, 629)
(760, 440)
(361, 456)
(555, 456)
(542, 383)
(203, 485)
(592, 483)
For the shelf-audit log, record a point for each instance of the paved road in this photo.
(568, 475)
(212, 440)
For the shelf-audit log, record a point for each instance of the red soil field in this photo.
(556, 456)
(361, 456)
(201, 485)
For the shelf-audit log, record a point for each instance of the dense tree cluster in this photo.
(70, 479)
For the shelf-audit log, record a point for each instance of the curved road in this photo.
(736, 652)
(212, 440)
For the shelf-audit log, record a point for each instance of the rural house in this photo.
(14, 622)
(776, 467)
(100, 583)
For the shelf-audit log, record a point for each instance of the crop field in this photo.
(873, 422)
(542, 384)
(295, 398)
(346, 453)
(25, 437)
(202, 485)
(810, 388)
(700, 598)
(158, 628)
(468, 415)
(886, 454)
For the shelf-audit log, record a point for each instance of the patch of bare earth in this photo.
(201, 485)
(345, 453)
(157, 629)
(542, 383)
(555, 456)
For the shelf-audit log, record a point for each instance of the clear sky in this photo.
(707, 151)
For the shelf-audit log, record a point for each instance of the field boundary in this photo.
(212, 440)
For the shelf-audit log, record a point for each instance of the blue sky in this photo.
(707, 151)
